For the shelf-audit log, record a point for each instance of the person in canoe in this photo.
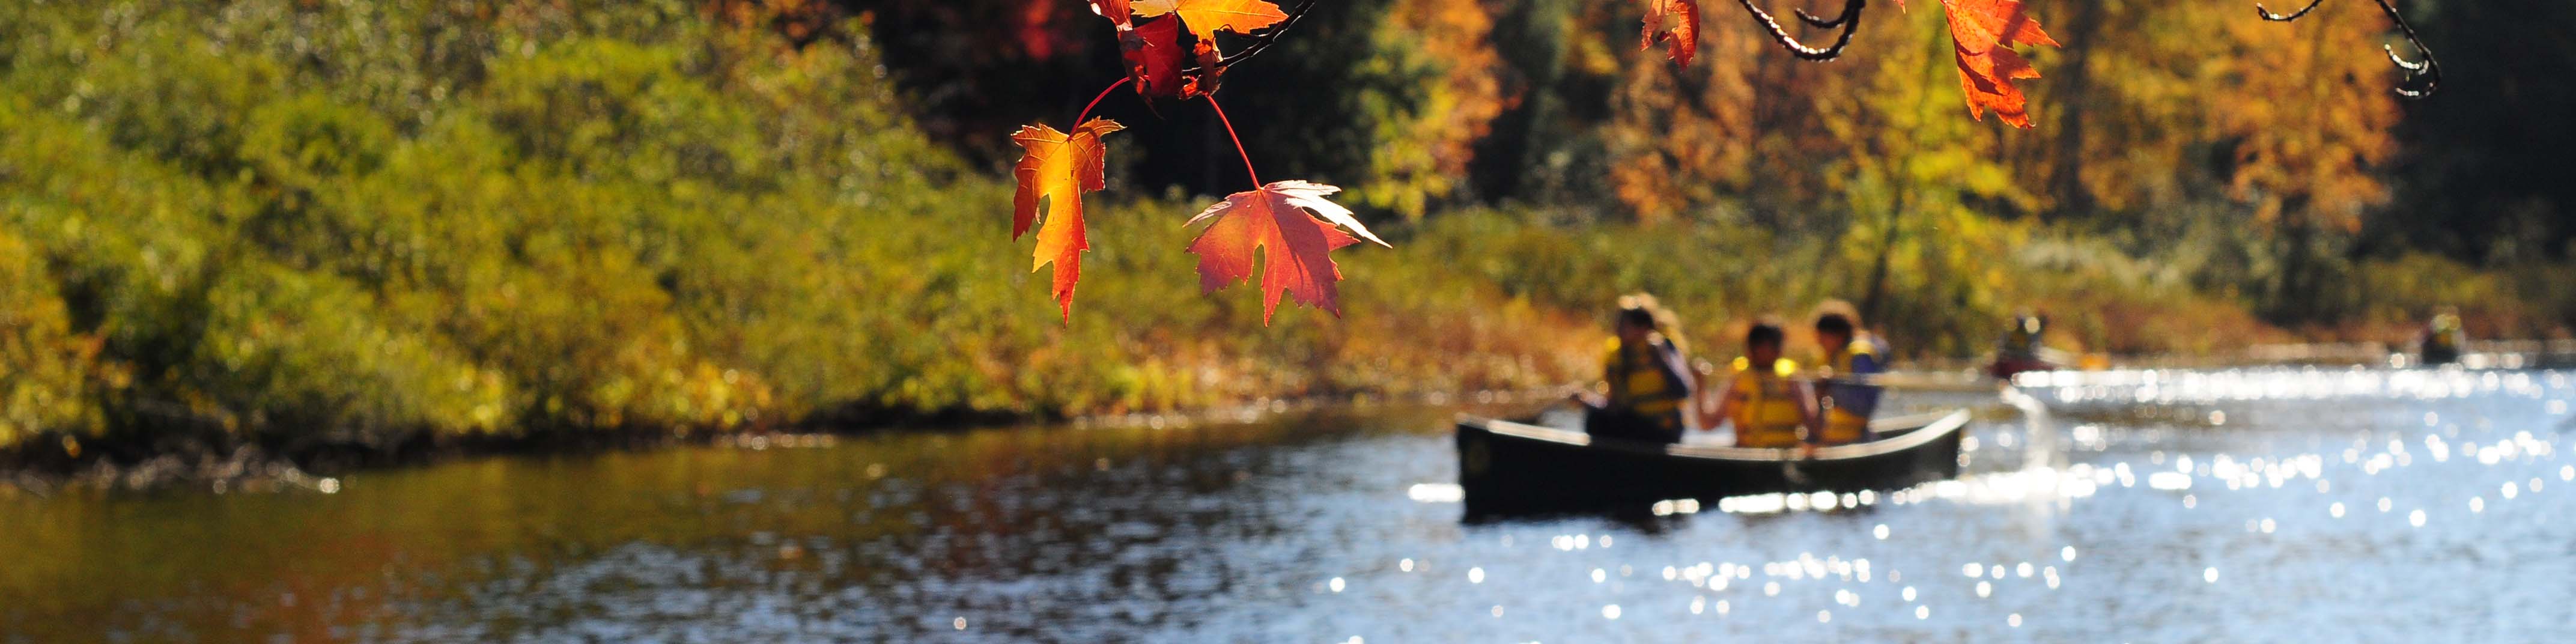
(2441, 340)
(1767, 404)
(1648, 380)
(2024, 347)
(1853, 356)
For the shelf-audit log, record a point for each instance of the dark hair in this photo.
(1638, 316)
(1763, 333)
(1834, 323)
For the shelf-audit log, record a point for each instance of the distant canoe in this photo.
(2007, 365)
(1506, 467)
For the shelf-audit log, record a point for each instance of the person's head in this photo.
(1842, 308)
(2029, 324)
(1762, 343)
(1834, 331)
(1634, 324)
(1637, 319)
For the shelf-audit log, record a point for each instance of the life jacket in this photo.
(1766, 407)
(1652, 388)
(1849, 405)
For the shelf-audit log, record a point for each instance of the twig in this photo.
(1095, 101)
(1238, 140)
(1849, 22)
(2422, 76)
(1260, 41)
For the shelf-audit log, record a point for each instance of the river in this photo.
(2325, 505)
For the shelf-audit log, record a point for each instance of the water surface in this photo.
(2263, 504)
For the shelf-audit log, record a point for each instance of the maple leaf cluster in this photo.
(1982, 33)
(1291, 226)
(1156, 59)
(1288, 228)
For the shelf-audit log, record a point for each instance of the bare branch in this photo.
(2274, 17)
(1850, 11)
(1849, 22)
(2422, 76)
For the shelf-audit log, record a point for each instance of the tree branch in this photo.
(2422, 76)
(1260, 41)
(1849, 22)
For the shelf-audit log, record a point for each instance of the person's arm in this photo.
(1589, 400)
(1808, 415)
(1715, 405)
(1596, 401)
(1679, 365)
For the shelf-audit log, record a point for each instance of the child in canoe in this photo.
(1767, 404)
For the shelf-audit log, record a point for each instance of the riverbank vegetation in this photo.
(334, 226)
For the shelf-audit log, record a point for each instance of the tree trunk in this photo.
(2065, 179)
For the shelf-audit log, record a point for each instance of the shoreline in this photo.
(51, 465)
(55, 463)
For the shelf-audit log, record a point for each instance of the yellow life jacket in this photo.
(1845, 427)
(1643, 386)
(1848, 420)
(1862, 345)
(1766, 407)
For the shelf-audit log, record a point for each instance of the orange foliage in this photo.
(1675, 23)
(1983, 32)
(2309, 118)
(1206, 17)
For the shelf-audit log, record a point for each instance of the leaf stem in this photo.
(1095, 101)
(1238, 141)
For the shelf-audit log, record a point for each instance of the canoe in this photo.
(1507, 467)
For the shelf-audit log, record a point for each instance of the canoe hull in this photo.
(1511, 468)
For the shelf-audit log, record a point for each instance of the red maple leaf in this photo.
(1203, 82)
(1058, 168)
(1154, 58)
(1676, 21)
(1983, 33)
(1295, 246)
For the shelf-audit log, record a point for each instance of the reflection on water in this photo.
(2252, 504)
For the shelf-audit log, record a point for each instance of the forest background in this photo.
(329, 223)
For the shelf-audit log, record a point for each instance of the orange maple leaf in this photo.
(1983, 33)
(1676, 21)
(1206, 17)
(1059, 168)
(1117, 11)
(1296, 246)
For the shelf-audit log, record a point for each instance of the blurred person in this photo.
(1853, 357)
(2024, 347)
(1647, 380)
(2442, 339)
(1766, 404)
